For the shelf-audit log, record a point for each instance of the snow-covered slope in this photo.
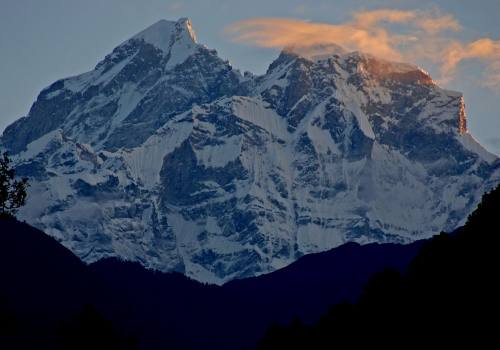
(165, 155)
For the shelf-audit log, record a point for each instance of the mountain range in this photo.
(166, 155)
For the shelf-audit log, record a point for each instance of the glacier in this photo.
(166, 155)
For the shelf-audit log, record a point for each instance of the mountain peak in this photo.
(164, 34)
(186, 23)
(363, 63)
(316, 52)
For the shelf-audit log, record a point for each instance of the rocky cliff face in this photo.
(165, 155)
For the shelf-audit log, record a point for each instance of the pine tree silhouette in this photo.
(12, 192)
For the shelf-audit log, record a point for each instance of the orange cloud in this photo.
(438, 24)
(368, 32)
(484, 49)
(370, 18)
(282, 32)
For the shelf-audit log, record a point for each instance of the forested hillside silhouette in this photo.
(448, 296)
(47, 293)
(48, 297)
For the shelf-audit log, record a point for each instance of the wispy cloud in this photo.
(388, 33)
(282, 32)
(370, 18)
(483, 49)
(438, 24)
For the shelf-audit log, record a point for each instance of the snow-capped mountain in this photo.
(166, 155)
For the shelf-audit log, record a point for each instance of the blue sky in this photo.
(42, 41)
